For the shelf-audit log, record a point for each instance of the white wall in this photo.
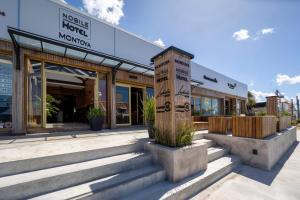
(42, 17)
(198, 71)
(10, 8)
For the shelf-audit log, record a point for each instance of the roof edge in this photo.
(174, 49)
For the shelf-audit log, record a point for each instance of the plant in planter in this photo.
(96, 118)
(184, 136)
(149, 114)
(51, 105)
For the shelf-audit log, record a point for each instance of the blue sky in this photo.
(254, 41)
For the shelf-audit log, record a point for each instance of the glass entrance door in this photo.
(137, 106)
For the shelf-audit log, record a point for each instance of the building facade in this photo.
(56, 62)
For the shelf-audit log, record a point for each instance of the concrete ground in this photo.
(14, 148)
(281, 183)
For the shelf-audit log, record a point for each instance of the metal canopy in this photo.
(33, 41)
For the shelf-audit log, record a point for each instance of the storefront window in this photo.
(215, 108)
(5, 91)
(206, 106)
(122, 105)
(197, 106)
(103, 94)
(34, 94)
(192, 106)
(150, 92)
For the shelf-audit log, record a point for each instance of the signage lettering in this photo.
(133, 77)
(231, 86)
(210, 79)
(182, 63)
(74, 28)
(162, 64)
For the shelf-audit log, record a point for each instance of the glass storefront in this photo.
(205, 106)
(5, 91)
(34, 94)
(150, 92)
(122, 105)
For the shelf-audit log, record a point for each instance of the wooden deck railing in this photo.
(218, 124)
(254, 127)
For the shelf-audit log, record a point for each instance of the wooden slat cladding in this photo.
(218, 124)
(6, 47)
(136, 79)
(272, 105)
(284, 122)
(254, 127)
(65, 61)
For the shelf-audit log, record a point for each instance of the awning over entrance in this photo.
(34, 41)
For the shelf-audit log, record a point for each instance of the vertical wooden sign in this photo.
(272, 105)
(172, 89)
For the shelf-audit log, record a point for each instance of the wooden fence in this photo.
(254, 127)
(219, 124)
(284, 122)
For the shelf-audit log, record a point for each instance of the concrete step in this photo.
(214, 153)
(33, 183)
(74, 155)
(112, 187)
(209, 143)
(190, 186)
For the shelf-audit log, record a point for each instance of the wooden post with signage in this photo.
(272, 105)
(172, 88)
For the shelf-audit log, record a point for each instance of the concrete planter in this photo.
(179, 162)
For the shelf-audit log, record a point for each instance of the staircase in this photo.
(125, 171)
(220, 163)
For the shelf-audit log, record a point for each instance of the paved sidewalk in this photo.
(40, 145)
(281, 183)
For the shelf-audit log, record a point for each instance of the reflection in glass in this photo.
(150, 92)
(206, 106)
(34, 94)
(192, 106)
(215, 107)
(5, 91)
(197, 106)
(122, 105)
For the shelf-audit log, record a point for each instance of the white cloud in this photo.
(265, 31)
(242, 34)
(108, 10)
(159, 42)
(282, 79)
(261, 96)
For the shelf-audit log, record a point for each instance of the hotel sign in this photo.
(74, 28)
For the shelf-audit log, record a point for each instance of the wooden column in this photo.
(272, 105)
(111, 100)
(172, 90)
(18, 120)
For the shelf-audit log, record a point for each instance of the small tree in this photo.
(250, 102)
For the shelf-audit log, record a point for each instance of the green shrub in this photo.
(184, 136)
(162, 137)
(51, 105)
(149, 109)
(95, 112)
(261, 113)
(285, 113)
